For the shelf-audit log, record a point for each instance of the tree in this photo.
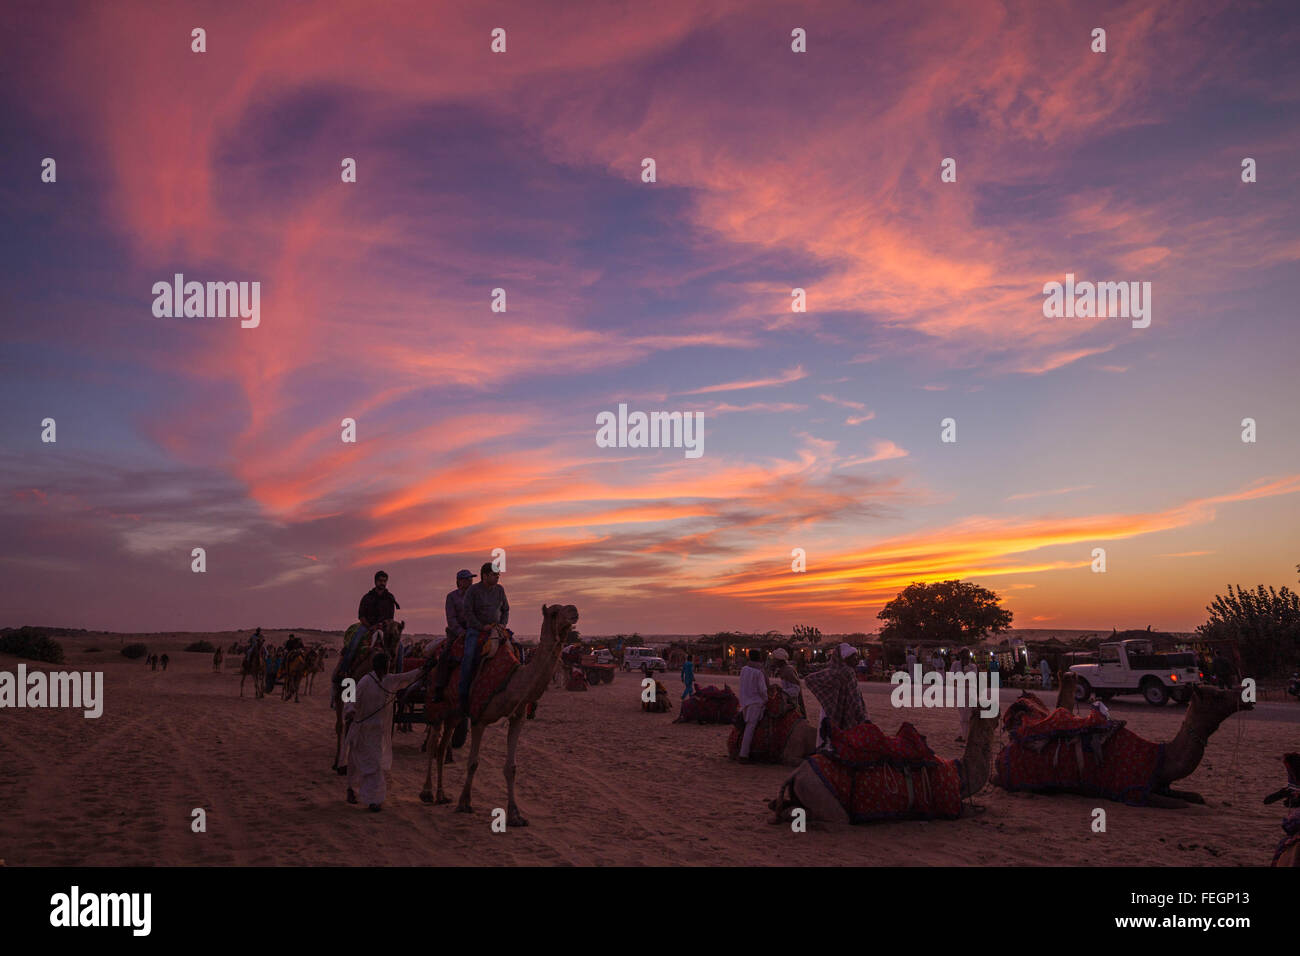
(950, 612)
(1264, 623)
(802, 632)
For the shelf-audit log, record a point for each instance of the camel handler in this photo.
(783, 671)
(836, 688)
(369, 737)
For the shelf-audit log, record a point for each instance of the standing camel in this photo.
(525, 687)
(315, 664)
(356, 669)
(295, 666)
(254, 666)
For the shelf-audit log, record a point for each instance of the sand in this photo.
(601, 782)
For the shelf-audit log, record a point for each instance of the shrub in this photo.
(201, 647)
(93, 650)
(30, 643)
(134, 651)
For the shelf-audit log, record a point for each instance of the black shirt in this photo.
(377, 606)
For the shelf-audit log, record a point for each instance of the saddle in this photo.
(878, 777)
(780, 717)
(498, 660)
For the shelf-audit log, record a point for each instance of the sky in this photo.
(523, 171)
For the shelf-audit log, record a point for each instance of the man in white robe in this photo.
(369, 737)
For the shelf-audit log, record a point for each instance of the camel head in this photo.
(1211, 706)
(1290, 794)
(558, 621)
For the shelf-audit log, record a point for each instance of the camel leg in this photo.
(338, 737)
(476, 738)
(242, 677)
(444, 755)
(1162, 802)
(513, 817)
(1187, 795)
(426, 794)
(806, 790)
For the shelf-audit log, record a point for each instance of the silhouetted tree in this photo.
(952, 612)
(1265, 624)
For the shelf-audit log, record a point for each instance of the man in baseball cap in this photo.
(455, 628)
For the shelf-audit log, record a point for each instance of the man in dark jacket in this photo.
(485, 606)
(378, 604)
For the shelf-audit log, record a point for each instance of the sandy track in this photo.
(601, 783)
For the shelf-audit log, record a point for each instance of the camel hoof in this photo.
(442, 798)
(341, 771)
(463, 808)
(516, 821)
(426, 796)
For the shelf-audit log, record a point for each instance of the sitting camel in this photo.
(1120, 765)
(805, 788)
(356, 669)
(1287, 853)
(525, 687)
(254, 666)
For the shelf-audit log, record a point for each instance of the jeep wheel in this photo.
(1082, 691)
(1155, 692)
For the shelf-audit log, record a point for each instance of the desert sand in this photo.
(601, 782)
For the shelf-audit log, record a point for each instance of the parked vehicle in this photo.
(1133, 667)
(638, 658)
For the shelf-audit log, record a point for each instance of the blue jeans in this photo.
(468, 662)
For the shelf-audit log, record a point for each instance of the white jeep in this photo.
(1132, 667)
(638, 657)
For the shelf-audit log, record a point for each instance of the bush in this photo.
(134, 651)
(93, 650)
(30, 643)
(201, 647)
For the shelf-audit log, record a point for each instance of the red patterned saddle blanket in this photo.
(1053, 750)
(879, 777)
(780, 716)
(494, 672)
(710, 705)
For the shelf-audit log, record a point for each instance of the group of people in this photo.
(153, 660)
(473, 610)
(835, 687)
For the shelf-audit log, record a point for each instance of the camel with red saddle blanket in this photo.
(1056, 752)
(522, 685)
(782, 734)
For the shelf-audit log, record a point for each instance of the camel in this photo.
(315, 664)
(295, 666)
(1066, 697)
(357, 669)
(253, 665)
(1287, 853)
(216, 661)
(1207, 708)
(525, 687)
(805, 789)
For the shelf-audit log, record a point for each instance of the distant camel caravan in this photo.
(525, 687)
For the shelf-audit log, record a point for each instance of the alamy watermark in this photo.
(213, 300)
(82, 690)
(1099, 300)
(655, 430)
(951, 689)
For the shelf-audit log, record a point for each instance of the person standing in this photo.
(753, 698)
(688, 677)
(369, 731)
(962, 664)
(1045, 669)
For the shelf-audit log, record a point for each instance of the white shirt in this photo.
(753, 685)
